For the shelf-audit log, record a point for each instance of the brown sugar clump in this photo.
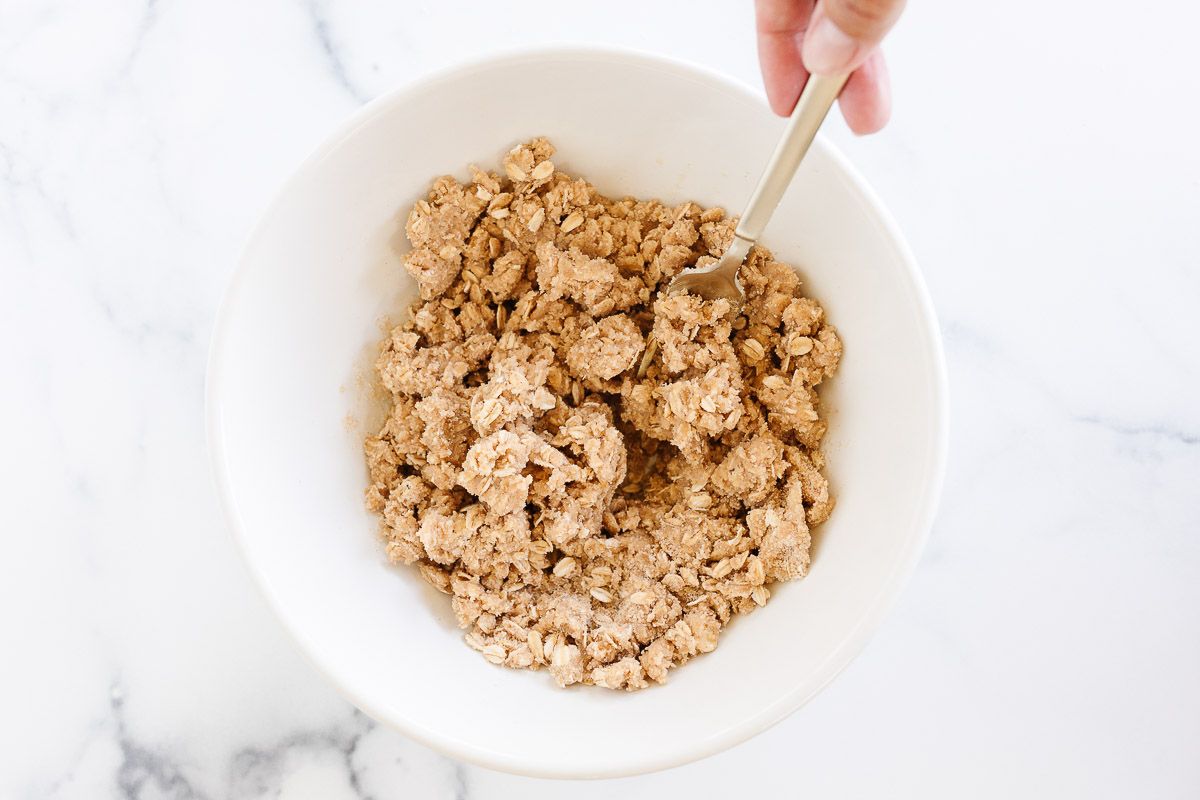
(585, 520)
(605, 349)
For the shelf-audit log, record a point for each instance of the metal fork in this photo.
(721, 278)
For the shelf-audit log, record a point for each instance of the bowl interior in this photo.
(290, 399)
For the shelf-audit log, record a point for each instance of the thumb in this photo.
(843, 33)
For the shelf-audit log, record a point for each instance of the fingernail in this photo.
(828, 50)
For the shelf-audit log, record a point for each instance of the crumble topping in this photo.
(585, 520)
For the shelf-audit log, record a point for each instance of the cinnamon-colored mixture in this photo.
(586, 520)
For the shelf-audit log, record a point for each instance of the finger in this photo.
(866, 100)
(781, 25)
(843, 33)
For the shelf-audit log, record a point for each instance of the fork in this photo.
(720, 279)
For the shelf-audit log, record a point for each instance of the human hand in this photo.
(796, 37)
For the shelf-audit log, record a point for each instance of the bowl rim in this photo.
(885, 597)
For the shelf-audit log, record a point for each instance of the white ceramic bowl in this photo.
(300, 324)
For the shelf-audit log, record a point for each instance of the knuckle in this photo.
(866, 19)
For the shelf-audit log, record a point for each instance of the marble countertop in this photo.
(1047, 174)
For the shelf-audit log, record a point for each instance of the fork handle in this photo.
(815, 101)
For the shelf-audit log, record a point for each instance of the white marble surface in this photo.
(1047, 173)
